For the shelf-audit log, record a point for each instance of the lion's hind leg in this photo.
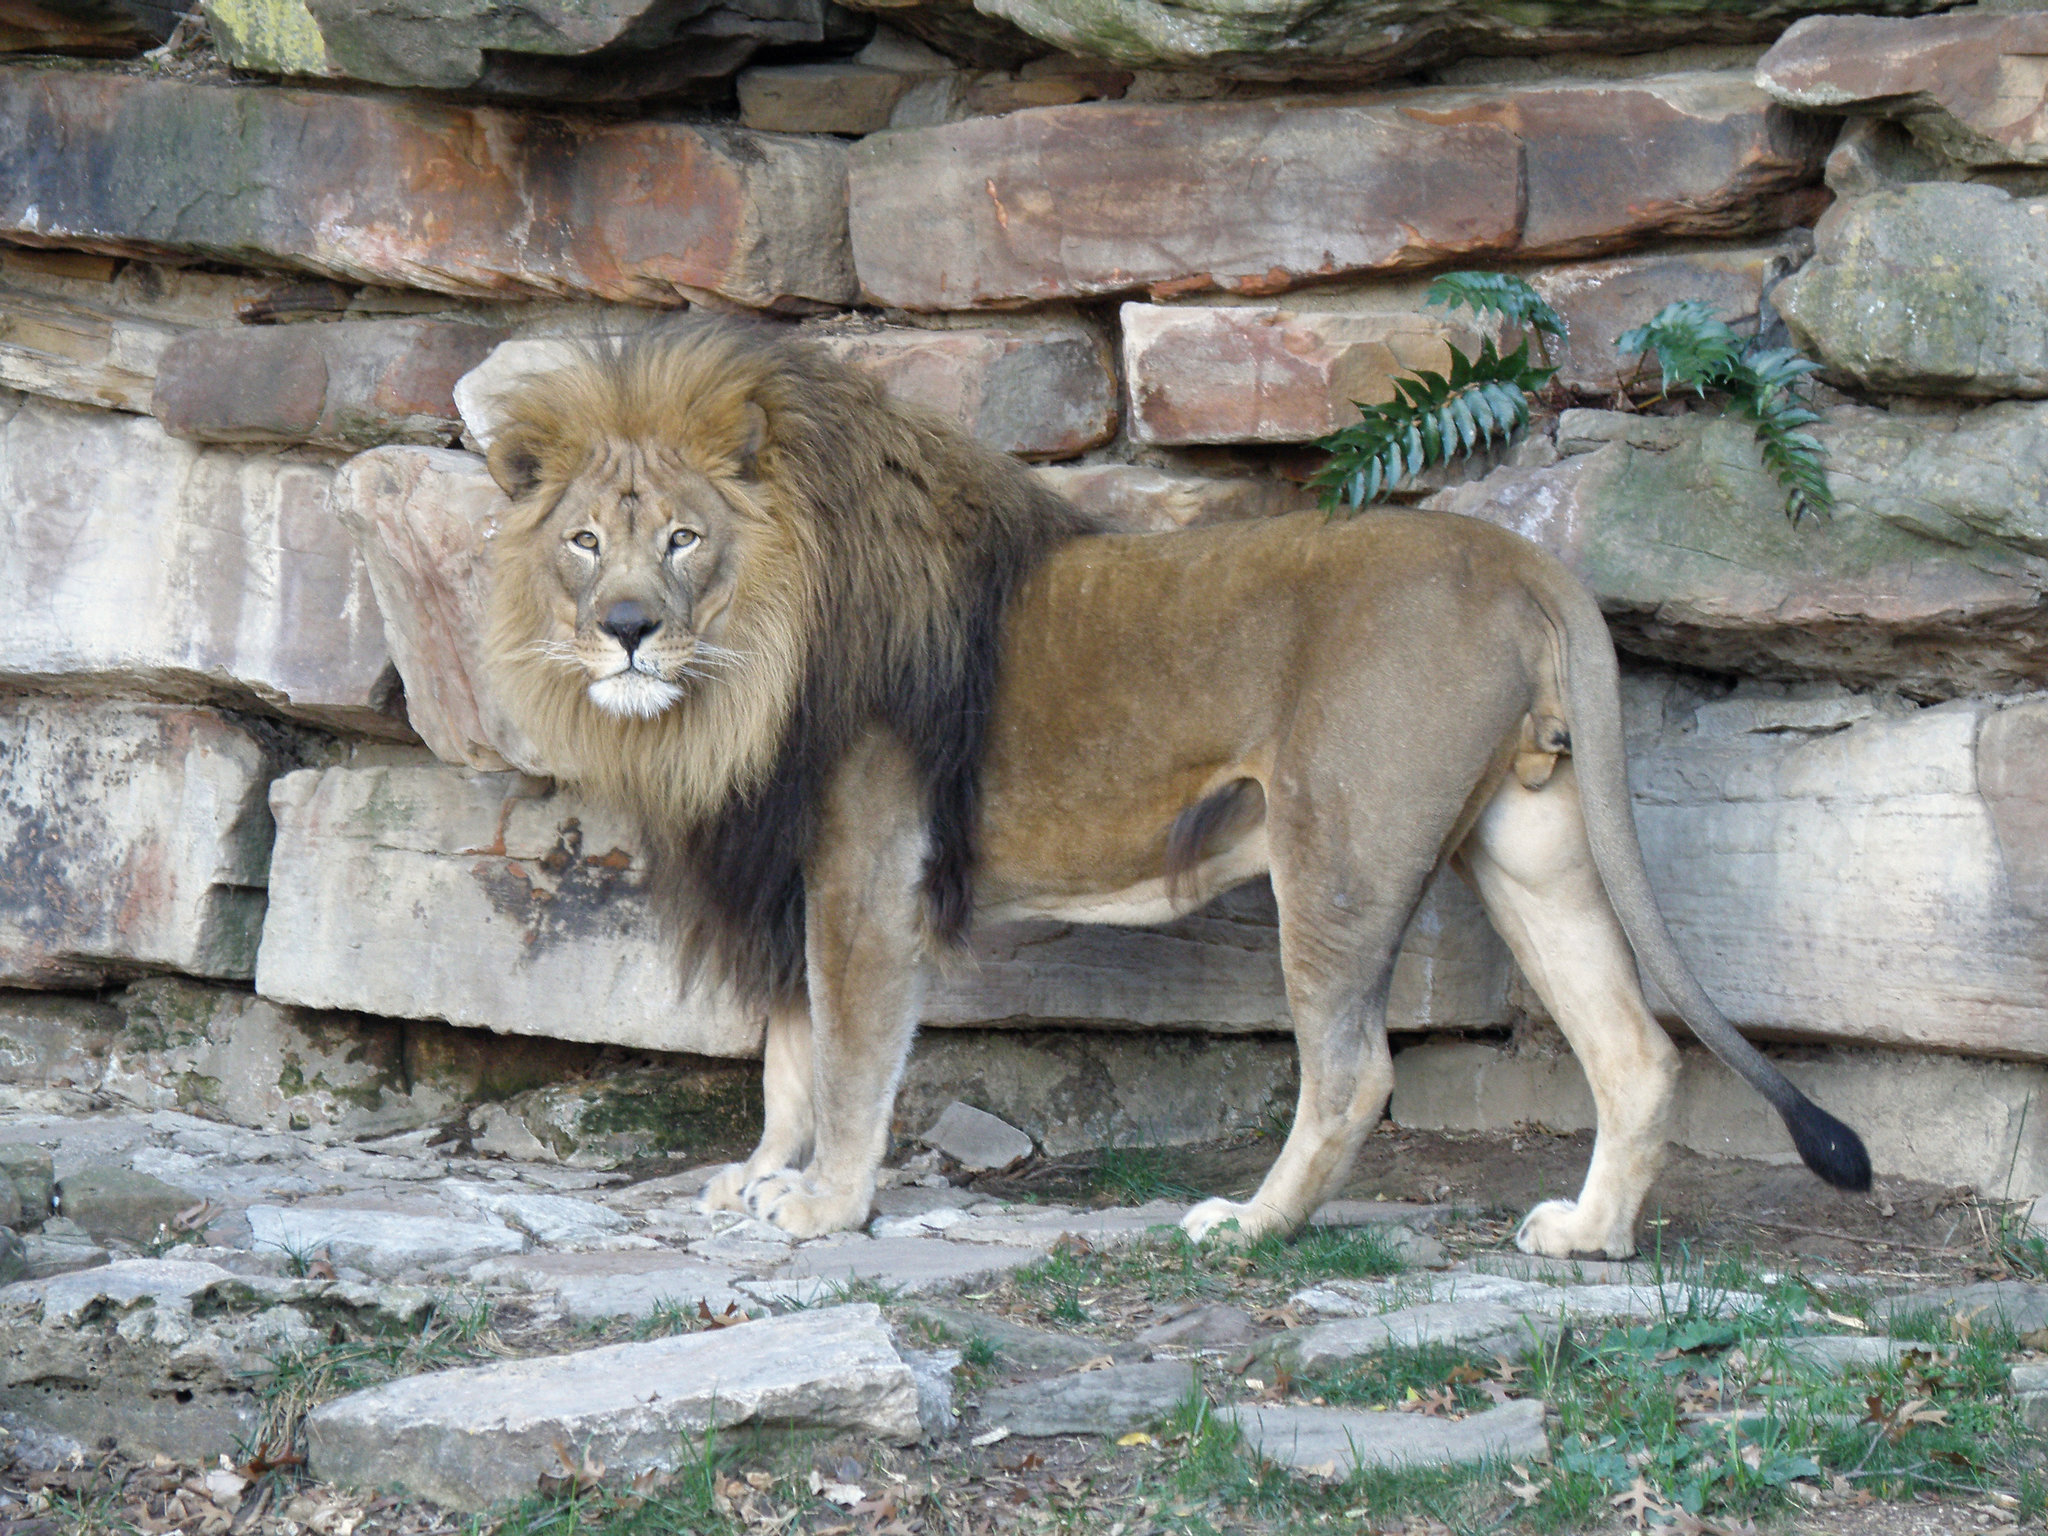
(1529, 857)
(787, 1120)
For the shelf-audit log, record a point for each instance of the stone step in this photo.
(1255, 197)
(1331, 1442)
(473, 1438)
(423, 194)
(166, 569)
(1098, 1402)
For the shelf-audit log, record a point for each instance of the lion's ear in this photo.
(755, 422)
(515, 464)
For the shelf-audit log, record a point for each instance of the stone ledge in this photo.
(422, 194)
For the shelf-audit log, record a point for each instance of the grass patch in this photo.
(1135, 1175)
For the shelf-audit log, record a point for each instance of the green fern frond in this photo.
(1696, 351)
(1497, 293)
(1432, 419)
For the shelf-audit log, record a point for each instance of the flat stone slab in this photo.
(137, 839)
(152, 567)
(70, 1297)
(414, 193)
(1017, 1347)
(909, 1264)
(474, 1438)
(975, 1139)
(1330, 1442)
(2021, 1304)
(558, 1221)
(1835, 1356)
(1255, 197)
(380, 1242)
(1102, 1402)
(595, 1286)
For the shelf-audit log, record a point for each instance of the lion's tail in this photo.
(1590, 677)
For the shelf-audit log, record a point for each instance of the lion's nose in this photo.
(628, 623)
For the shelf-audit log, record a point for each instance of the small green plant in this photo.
(1696, 351)
(1134, 1175)
(1435, 418)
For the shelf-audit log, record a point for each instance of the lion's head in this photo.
(727, 556)
(648, 595)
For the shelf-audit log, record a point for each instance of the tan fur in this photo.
(1344, 705)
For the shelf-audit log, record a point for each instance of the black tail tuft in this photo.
(1827, 1146)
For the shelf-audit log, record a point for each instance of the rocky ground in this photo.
(226, 1330)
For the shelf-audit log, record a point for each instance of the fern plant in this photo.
(1696, 351)
(1434, 418)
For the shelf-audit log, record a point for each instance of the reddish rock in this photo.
(1257, 197)
(1270, 374)
(352, 385)
(1109, 198)
(94, 26)
(1598, 300)
(1043, 392)
(422, 194)
(1610, 163)
(1136, 498)
(1969, 84)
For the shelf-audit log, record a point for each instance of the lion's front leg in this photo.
(864, 941)
(787, 1123)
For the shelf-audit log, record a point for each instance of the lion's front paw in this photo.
(726, 1190)
(1212, 1218)
(1558, 1229)
(791, 1202)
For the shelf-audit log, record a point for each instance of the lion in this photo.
(860, 680)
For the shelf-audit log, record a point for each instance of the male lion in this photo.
(859, 678)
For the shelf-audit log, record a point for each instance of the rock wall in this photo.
(243, 280)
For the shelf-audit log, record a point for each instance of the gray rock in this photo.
(1101, 1402)
(976, 1139)
(558, 1221)
(1835, 1356)
(139, 837)
(1330, 1441)
(122, 1203)
(934, 1372)
(168, 1284)
(171, 570)
(596, 1286)
(1483, 1326)
(60, 1248)
(34, 1179)
(473, 1438)
(379, 1242)
(1017, 1347)
(1212, 1327)
(908, 1264)
(1935, 289)
(2021, 1304)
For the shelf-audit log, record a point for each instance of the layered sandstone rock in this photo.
(135, 838)
(1259, 196)
(351, 385)
(1928, 577)
(145, 565)
(422, 194)
(1933, 289)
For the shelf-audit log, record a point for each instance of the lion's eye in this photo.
(683, 538)
(584, 540)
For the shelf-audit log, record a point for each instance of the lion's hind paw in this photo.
(1560, 1229)
(1228, 1221)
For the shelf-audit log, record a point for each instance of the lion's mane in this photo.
(881, 548)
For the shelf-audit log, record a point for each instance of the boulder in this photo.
(1934, 288)
(622, 50)
(1300, 40)
(163, 568)
(1272, 373)
(136, 838)
(1967, 85)
(423, 194)
(1255, 197)
(352, 385)
(1928, 577)
(377, 871)
(87, 26)
(482, 1436)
